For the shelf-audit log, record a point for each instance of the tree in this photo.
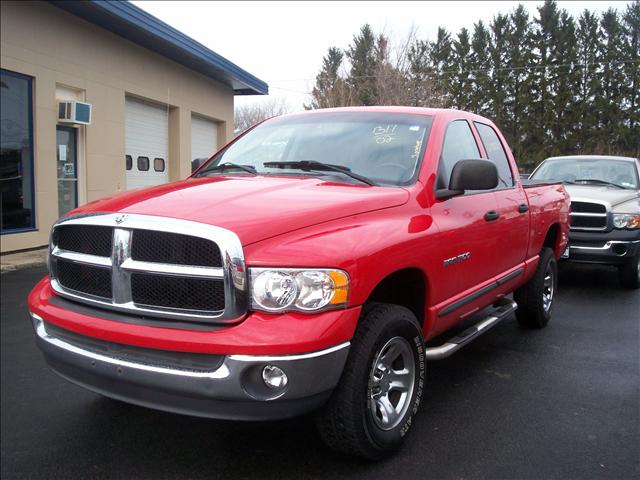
(364, 56)
(330, 89)
(461, 82)
(248, 115)
(421, 85)
(587, 41)
(480, 66)
(608, 101)
(517, 80)
(563, 79)
(631, 70)
(541, 114)
(440, 56)
(498, 55)
(418, 72)
(390, 81)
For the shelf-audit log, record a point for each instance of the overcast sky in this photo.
(283, 43)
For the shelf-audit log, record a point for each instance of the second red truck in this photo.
(304, 267)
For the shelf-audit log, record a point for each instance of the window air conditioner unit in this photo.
(74, 112)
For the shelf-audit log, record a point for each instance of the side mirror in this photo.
(470, 175)
(196, 163)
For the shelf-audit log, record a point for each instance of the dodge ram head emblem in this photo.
(120, 219)
(457, 259)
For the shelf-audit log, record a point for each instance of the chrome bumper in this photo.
(613, 252)
(233, 390)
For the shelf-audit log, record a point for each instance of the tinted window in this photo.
(459, 144)
(495, 152)
(128, 162)
(16, 159)
(143, 164)
(158, 164)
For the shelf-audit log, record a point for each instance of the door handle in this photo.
(523, 208)
(491, 215)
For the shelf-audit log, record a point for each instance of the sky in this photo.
(283, 43)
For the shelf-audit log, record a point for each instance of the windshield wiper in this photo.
(229, 165)
(308, 165)
(595, 180)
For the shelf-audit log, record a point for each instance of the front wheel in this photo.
(535, 298)
(629, 273)
(372, 408)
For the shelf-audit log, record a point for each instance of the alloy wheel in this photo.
(391, 383)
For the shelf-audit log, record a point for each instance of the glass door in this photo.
(67, 155)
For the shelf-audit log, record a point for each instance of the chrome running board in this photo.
(505, 308)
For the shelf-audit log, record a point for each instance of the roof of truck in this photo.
(446, 112)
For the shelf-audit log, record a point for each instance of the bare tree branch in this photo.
(248, 115)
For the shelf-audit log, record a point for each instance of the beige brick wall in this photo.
(59, 49)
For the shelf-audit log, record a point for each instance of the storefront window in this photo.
(16, 153)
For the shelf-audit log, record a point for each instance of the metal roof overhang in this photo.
(136, 25)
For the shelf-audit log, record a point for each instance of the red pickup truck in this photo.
(304, 267)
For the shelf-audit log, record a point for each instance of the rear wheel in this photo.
(535, 299)
(629, 273)
(372, 409)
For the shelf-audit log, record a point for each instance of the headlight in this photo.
(626, 220)
(280, 289)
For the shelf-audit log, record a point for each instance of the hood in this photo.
(602, 193)
(255, 208)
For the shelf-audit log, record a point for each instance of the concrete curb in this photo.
(15, 261)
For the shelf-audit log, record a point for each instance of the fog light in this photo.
(274, 377)
(619, 249)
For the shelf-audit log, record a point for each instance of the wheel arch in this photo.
(407, 287)
(553, 239)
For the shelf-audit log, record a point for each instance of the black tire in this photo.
(534, 308)
(346, 423)
(629, 273)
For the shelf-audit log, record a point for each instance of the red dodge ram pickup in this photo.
(304, 267)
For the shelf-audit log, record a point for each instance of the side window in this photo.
(496, 153)
(459, 144)
(128, 162)
(143, 164)
(158, 164)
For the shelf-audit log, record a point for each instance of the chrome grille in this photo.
(589, 216)
(166, 247)
(154, 266)
(90, 239)
(204, 294)
(85, 279)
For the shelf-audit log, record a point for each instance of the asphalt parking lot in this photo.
(560, 403)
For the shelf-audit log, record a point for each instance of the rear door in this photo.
(512, 205)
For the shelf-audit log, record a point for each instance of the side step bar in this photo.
(504, 309)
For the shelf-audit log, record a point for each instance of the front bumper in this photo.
(617, 247)
(232, 388)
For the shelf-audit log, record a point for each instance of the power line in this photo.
(478, 70)
(522, 67)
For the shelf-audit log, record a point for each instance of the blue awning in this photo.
(136, 25)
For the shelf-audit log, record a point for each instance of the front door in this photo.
(67, 163)
(468, 236)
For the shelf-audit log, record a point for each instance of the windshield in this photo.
(589, 171)
(383, 147)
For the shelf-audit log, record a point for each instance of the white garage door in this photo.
(204, 138)
(146, 143)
